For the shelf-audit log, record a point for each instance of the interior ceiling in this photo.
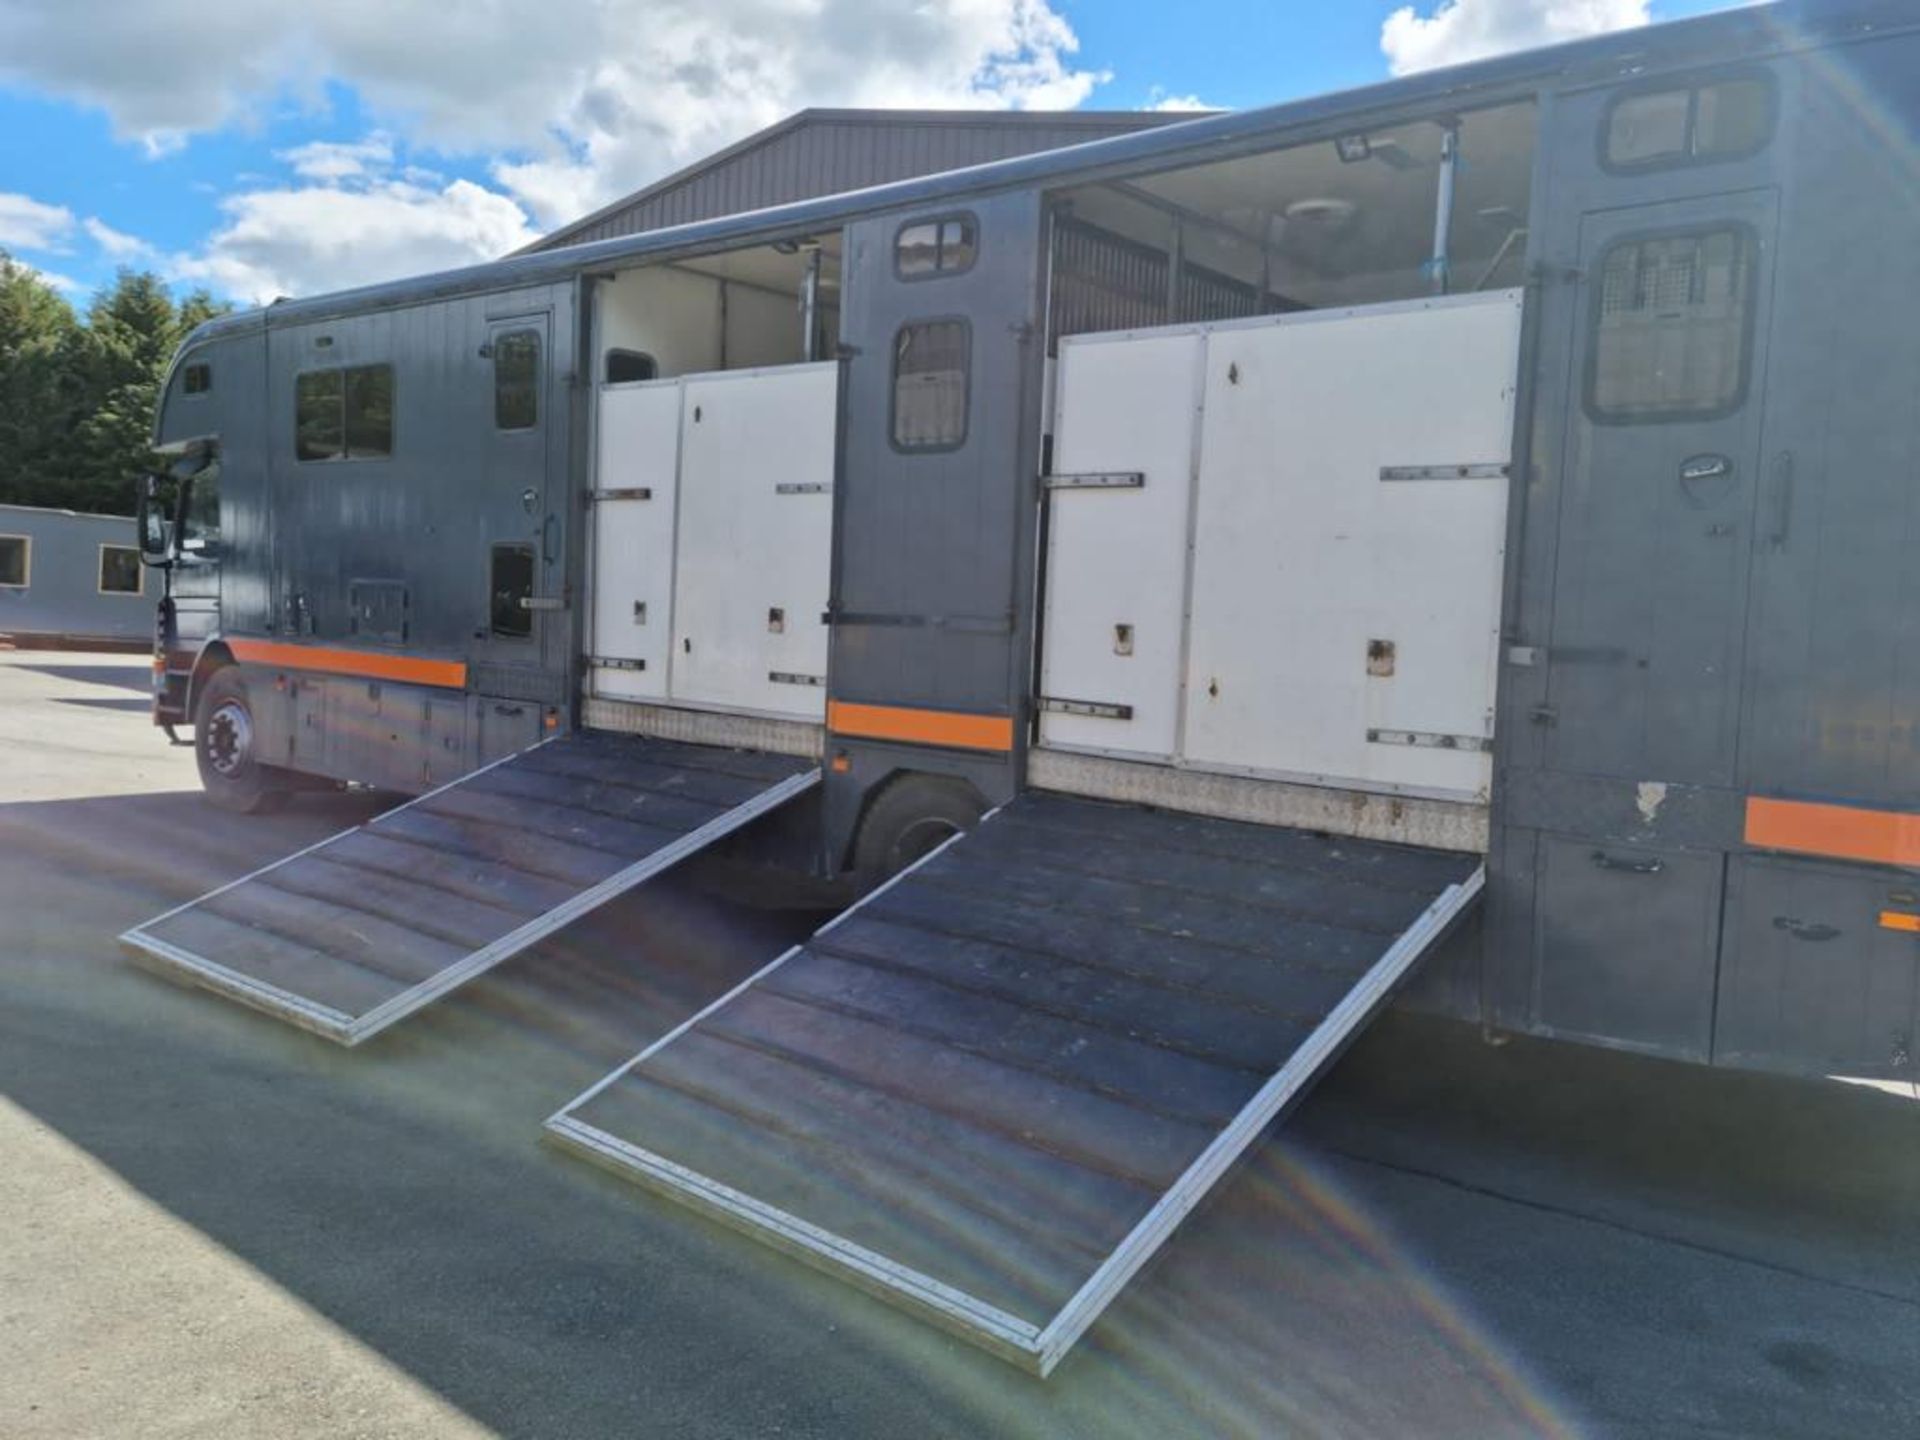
(770, 268)
(1329, 217)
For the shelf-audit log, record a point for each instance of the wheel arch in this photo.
(214, 655)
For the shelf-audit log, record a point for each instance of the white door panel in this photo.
(636, 462)
(1117, 557)
(756, 517)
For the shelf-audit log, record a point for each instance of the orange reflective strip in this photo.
(921, 727)
(1894, 920)
(1841, 832)
(448, 674)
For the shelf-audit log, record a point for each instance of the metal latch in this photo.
(542, 602)
(615, 662)
(1096, 480)
(1544, 714)
(634, 492)
(1099, 709)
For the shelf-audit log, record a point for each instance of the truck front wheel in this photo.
(226, 745)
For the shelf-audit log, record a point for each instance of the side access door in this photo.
(520, 630)
(1633, 734)
(934, 500)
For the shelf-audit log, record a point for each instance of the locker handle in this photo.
(1627, 867)
(1782, 499)
(1811, 931)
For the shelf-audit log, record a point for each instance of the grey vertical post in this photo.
(1440, 264)
(810, 308)
(1176, 259)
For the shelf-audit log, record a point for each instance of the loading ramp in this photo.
(991, 1090)
(355, 933)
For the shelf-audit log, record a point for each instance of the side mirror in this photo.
(151, 520)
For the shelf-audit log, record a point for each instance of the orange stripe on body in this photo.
(921, 727)
(1839, 832)
(1894, 920)
(409, 669)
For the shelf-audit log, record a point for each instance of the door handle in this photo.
(1647, 866)
(1782, 499)
(548, 550)
(1705, 467)
(1805, 929)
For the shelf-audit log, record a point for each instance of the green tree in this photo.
(39, 349)
(77, 401)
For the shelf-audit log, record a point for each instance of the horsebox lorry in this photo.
(1169, 586)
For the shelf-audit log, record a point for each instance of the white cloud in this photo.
(577, 101)
(116, 244)
(1159, 99)
(27, 224)
(309, 239)
(334, 162)
(1460, 30)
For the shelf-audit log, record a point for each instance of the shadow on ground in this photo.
(1451, 1240)
(121, 677)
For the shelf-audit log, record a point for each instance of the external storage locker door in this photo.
(1117, 526)
(635, 484)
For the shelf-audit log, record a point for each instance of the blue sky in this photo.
(251, 147)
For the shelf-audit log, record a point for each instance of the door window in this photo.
(16, 561)
(516, 380)
(1671, 326)
(930, 381)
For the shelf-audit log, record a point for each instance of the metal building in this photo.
(829, 152)
(67, 577)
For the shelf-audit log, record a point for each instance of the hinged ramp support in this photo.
(350, 935)
(991, 1090)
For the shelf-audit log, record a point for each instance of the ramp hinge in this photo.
(1096, 480)
(1099, 709)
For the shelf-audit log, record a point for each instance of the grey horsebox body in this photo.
(1172, 594)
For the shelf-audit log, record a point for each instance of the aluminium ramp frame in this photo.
(364, 928)
(991, 1090)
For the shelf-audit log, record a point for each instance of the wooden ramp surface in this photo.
(363, 929)
(991, 1090)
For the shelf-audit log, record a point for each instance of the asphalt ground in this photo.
(214, 1225)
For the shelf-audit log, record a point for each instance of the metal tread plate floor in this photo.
(990, 1090)
(355, 933)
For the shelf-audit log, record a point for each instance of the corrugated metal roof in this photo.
(828, 152)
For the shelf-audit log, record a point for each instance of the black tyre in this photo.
(909, 817)
(226, 743)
